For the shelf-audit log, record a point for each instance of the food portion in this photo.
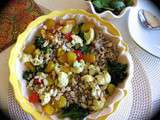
(71, 68)
(116, 6)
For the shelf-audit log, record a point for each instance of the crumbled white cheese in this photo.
(87, 78)
(26, 58)
(69, 45)
(31, 83)
(38, 60)
(57, 68)
(67, 28)
(62, 79)
(45, 43)
(103, 78)
(53, 92)
(96, 91)
(78, 66)
(65, 48)
(93, 69)
(76, 40)
(107, 76)
(42, 76)
(45, 82)
(45, 98)
(40, 91)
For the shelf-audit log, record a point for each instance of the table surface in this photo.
(151, 70)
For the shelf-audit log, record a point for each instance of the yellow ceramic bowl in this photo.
(13, 65)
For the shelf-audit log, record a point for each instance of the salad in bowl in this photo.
(70, 64)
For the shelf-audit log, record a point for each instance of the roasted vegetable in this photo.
(48, 109)
(89, 58)
(74, 112)
(50, 24)
(62, 102)
(86, 26)
(70, 21)
(29, 66)
(118, 71)
(110, 89)
(50, 80)
(71, 57)
(30, 49)
(49, 67)
(33, 97)
(79, 54)
(76, 29)
(89, 36)
(68, 36)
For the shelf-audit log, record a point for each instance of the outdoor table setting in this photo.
(142, 99)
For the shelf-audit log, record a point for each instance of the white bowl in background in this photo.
(108, 14)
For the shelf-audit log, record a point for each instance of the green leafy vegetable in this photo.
(118, 71)
(46, 49)
(76, 29)
(40, 68)
(129, 2)
(28, 75)
(39, 41)
(85, 49)
(118, 5)
(74, 112)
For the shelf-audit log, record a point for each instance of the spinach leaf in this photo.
(28, 75)
(74, 112)
(118, 71)
(40, 68)
(129, 2)
(118, 5)
(85, 49)
(101, 5)
(39, 41)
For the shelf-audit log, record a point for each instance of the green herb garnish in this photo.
(118, 71)
(74, 112)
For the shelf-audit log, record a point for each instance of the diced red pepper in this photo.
(68, 37)
(79, 55)
(34, 97)
(37, 81)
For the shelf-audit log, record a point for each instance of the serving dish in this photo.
(16, 72)
(108, 14)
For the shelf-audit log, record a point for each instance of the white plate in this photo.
(147, 39)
